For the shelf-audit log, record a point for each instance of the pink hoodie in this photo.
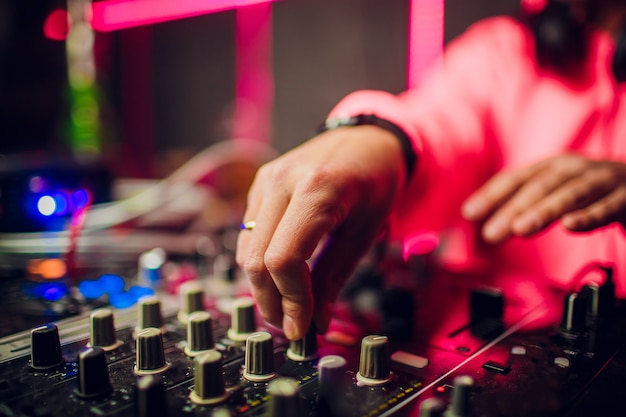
(490, 107)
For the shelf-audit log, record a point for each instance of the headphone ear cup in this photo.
(560, 41)
(618, 65)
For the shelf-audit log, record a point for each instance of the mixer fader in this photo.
(190, 354)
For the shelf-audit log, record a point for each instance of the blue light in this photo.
(54, 294)
(122, 300)
(139, 291)
(80, 198)
(91, 289)
(62, 205)
(111, 283)
(50, 291)
(53, 204)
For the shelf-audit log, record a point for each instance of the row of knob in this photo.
(209, 387)
(150, 355)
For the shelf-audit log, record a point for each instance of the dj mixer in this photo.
(197, 347)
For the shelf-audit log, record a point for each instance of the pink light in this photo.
(425, 37)
(254, 75)
(57, 25)
(120, 14)
(419, 244)
(533, 6)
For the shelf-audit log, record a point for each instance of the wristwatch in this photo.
(410, 157)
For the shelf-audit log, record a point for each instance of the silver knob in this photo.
(199, 333)
(103, 330)
(374, 361)
(284, 400)
(243, 319)
(150, 353)
(149, 313)
(208, 379)
(460, 404)
(304, 349)
(191, 294)
(332, 376)
(432, 407)
(259, 358)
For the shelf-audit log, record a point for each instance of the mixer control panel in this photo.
(191, 353)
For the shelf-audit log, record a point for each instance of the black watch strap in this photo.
(410, 157)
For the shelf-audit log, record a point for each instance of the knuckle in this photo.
(320, 179)
(263, 173)
(603, 174)
(279, 262)
(254, 268)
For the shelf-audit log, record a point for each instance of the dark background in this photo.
(167, 90)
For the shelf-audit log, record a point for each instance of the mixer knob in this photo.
(574, 314)
(149, 313)
(304, 349)
(592, 294)
(243, 319)
(332, 376)
(199, 333)
(149, 267)
(151, 397)
(45, 348)
(93, 373)
(150, 353)
(284, 400)
(460, 404)
(486, 312)
(191, 295)
(432, 407)
(208, 380)
(259, 359)
(103, 330)
(374, 361)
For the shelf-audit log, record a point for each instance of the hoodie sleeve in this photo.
(451, 119)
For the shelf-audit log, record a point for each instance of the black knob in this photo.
(374, 361)
(150, 353)
(191, 295)
(304, 349)
(151, 397)
(460, 404)
(149, 313)
(574, 314)
(103, 330)
(591, 293)
(432, 407)
(284, 398)
(45, 348)
(199, 333)
(243, 319)
(486, 312)
(259, 358)
(93, 373)
(208, 379)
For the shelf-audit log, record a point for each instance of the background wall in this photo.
(323, 49)
(168, 89)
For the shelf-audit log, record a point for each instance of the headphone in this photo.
(561, 39)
